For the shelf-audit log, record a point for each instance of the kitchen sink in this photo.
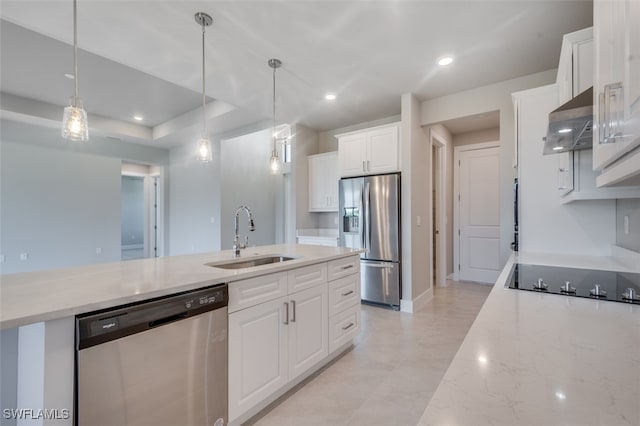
(249, 262)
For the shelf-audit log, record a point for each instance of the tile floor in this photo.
(393, 369)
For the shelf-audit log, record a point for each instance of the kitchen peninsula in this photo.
(42, 306)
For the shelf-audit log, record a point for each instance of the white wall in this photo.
(194, 201)
(246, 180)
(477, 136)
(58, 207)
(485, 99)
(305, 143)
(416, 179)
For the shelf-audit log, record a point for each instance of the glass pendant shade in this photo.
(204, 150)
(75, 126)
(275, 163)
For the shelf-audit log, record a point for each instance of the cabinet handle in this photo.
(613, 114)
(368, 168)
(346, 327)
(347, 266)
(286, 313)
(364, 169)
(293, 311)
(348, 293)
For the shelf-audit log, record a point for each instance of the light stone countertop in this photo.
(32, 297)
(328, 233)
(545, 359)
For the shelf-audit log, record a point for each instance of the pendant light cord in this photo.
(274, 110)
(204, 117)
(75, 52)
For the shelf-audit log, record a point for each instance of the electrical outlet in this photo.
(98, 250)
(335, 220)
(419, 221)
(24, 256)
(212, 219)
(2, 258)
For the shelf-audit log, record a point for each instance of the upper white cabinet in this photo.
(369, 151)
(575, 75)
(323, 182)
(616, 91)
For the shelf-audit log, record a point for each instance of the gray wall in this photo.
(194, 201)
(58, 207)
(631, 208)
(305, 143)
(132, 211)
(246, 180)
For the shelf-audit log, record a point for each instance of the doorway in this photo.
(477, 212)
(438, 212)
(141, 212)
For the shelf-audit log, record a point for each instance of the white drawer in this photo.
(250, 292)
(307, 277)
(343, 327)
(344, 293)
(342, 267)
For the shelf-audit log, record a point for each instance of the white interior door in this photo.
(479, 214)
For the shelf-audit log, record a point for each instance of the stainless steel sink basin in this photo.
(249, 262)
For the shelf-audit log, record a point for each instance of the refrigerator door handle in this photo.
(362, 219)
(367, 209)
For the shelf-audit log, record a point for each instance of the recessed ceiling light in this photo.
(69, 76)
(137, 118)
(330, 97)
(445, 60)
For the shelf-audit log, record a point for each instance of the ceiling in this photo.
(144, 57)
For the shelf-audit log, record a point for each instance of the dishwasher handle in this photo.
(167, 320)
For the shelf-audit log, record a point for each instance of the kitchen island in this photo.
(38, 309)
(534, 358)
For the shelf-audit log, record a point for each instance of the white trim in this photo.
(456, 201)
(440, 143)
(418, 303)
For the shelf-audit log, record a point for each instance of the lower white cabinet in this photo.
(343, 327)
(258, 355)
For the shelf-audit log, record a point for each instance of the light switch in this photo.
(24, 256)
(98, 250)
(418, 221)
(212, 219)
(2, 258)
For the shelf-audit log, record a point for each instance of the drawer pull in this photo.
(347, 293)
(293, 309)
(346, 327)
(286, 313)
(347, 267)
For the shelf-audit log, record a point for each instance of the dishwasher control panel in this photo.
(109, 324)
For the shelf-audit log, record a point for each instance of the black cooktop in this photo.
(601, 285)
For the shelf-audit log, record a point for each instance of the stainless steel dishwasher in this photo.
(158, 362)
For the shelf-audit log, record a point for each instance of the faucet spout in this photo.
(252, 227)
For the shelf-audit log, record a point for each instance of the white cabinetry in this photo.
(370, 151)
(280, 328)
(616, 91)
(575, 75)
(323, 182)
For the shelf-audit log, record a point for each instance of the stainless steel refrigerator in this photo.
(370, 210)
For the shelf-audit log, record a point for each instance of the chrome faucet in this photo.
(252, 227)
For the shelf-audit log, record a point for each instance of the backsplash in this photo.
(631, 209)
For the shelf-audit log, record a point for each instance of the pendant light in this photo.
(204, 144)
(275, 161)
(75, 126)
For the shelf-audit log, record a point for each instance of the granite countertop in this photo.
(31, 297)
(545, 359)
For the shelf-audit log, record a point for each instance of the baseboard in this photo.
(418, 303)
(629, 258)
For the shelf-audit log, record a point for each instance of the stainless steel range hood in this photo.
(570, 125)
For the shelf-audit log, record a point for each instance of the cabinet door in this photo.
(632, 76)
(317, 196)
(258, 357)
(609, 43)
(308, 329)
(352, 154)
(382, 150)
(331, 181)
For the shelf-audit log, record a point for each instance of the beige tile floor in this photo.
(393, 369)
